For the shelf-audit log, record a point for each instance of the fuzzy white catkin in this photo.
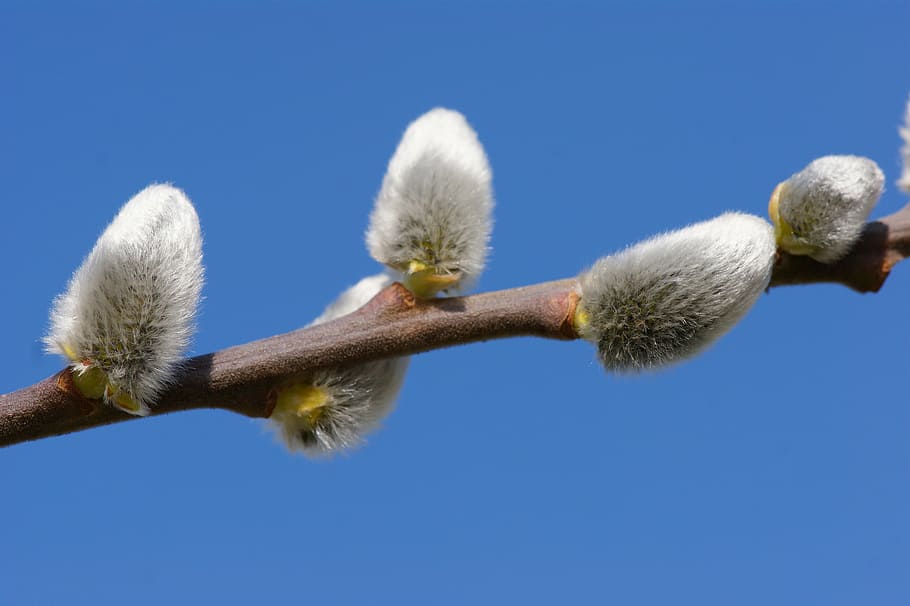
(129, 309)
(669, 297)
(826, 205)
(356, 398)
(436, 201)
(904, 181)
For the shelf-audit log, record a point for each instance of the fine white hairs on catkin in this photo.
(129, 309)
(433, 214)
(904, 181)
(821, 210)
(332, 409)
(669, 297)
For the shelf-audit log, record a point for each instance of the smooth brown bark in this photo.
(245, 378)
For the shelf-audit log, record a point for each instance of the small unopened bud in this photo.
(332, 409)
(128, 313)
(904, 181)
(669, 297)
(432, 217)
(821, 210)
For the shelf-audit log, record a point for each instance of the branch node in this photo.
(64, 383)
(394, 298)
(567, 328)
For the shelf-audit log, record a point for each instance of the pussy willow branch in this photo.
(245, 379)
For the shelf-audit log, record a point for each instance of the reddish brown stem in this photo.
(243, 379)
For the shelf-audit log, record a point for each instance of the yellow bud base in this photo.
(122, 400)
(424, 281)
(90, 381)
(301, 400)
(581, 319)
(783, 232)
(70, 352)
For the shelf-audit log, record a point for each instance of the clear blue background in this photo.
(774, 469)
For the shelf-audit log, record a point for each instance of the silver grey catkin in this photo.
(821, 210)
(904, 181)
(433, 216)
(332, 409)
(129, 310)
(669, 297)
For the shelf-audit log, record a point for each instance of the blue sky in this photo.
(773, 469)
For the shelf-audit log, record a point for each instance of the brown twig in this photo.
(243, 379)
